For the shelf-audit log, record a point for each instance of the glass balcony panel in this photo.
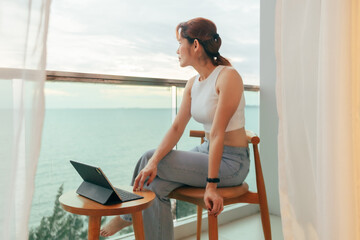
(252, 123)
(109, 126)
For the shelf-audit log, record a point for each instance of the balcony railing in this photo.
(80, 133)
(60, 76)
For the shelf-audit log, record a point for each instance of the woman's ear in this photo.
(196, 43)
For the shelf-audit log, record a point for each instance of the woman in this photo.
(215, 98)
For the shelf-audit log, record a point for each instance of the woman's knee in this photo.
(162, 188)
(148, 154)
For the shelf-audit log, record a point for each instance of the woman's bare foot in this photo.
(112, 227)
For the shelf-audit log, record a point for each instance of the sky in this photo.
(137, 38)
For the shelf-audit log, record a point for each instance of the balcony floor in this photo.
(248, 228)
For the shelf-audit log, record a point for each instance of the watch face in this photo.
(213, 180)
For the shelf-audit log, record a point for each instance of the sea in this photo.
(112, 139)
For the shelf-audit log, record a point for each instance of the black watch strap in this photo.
(213, 180)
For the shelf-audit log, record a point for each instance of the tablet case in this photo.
(100, 192)
(97, 193)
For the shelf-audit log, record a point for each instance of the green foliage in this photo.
(184, 209)
(61, 224)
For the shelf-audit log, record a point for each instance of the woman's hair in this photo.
(204, 31)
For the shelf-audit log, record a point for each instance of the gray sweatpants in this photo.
(179, 168)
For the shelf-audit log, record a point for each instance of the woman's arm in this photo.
(170, 139)
(229, 87)
(177, 128)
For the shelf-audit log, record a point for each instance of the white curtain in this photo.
(318, 98)
(23, 33)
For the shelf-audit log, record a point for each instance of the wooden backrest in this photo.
(260, 184)
(200, 134)
(252, 137)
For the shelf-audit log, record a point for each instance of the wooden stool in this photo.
(238, 194)
(74, 203)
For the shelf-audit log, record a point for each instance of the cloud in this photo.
(53, 92)
(237, 60)
(137, 37)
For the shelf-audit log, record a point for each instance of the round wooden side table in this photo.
(74, 203)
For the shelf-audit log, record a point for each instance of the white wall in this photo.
(268, 112)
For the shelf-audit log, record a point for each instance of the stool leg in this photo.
(198, 223)
(138, 225)
(94, 227)
(213, 227)
(265, 220)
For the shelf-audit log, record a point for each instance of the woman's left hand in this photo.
(213, 201)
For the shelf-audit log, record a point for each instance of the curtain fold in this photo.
(23, 34)
(318, 96)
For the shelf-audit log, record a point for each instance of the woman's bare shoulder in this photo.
(229, 76)
(229, 71)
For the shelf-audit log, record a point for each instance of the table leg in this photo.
(138, 225)
(94, 227)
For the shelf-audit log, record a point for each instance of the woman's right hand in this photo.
(150, 171)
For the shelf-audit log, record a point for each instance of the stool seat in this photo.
(195, 195)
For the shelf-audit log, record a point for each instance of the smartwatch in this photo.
(212, 180)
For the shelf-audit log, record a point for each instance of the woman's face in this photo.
(184, 52)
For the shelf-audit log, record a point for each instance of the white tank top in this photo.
(204, 100)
